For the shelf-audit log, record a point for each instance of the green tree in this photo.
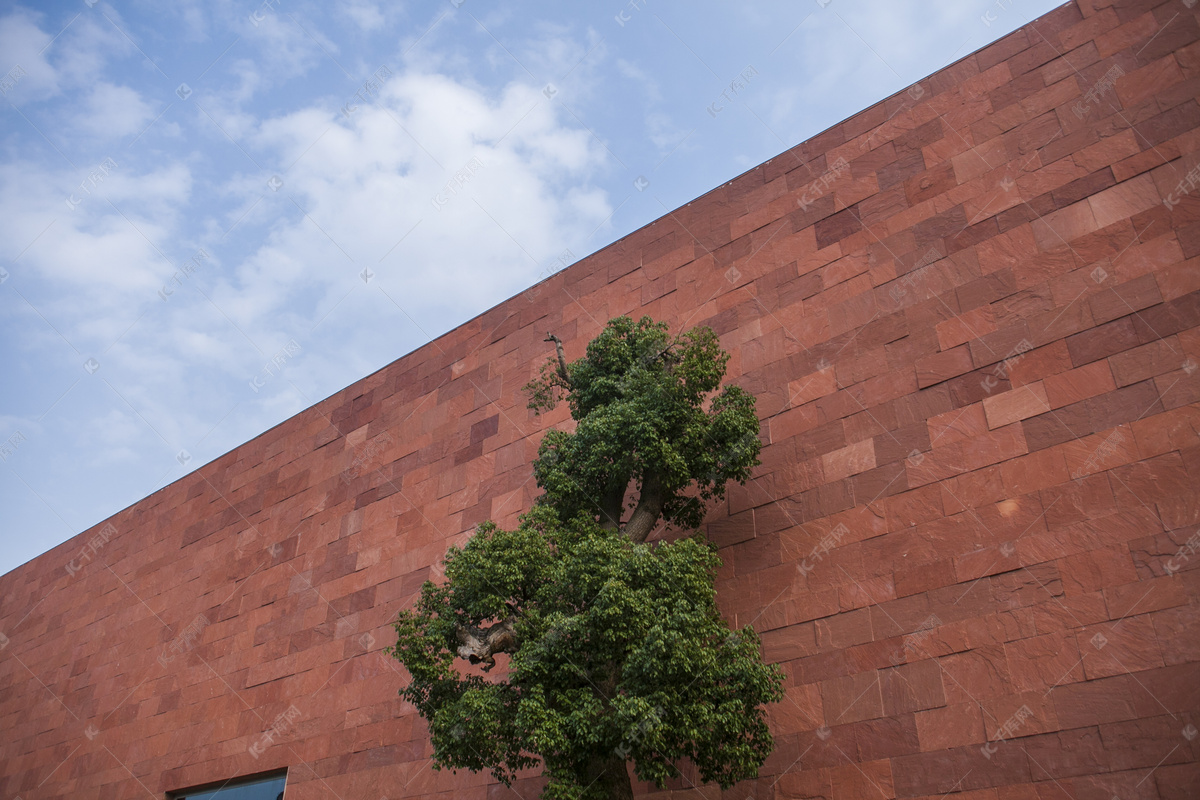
(616, 650)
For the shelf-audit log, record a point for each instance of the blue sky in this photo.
(213, 215)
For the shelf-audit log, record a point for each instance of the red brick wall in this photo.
(971, 315)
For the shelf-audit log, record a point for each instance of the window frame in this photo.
(239, 780)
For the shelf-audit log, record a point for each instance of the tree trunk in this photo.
(611, 776)
(649, 510)
(611, 506)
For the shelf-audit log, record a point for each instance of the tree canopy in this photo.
(616, 652)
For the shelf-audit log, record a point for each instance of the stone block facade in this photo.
(971, 317)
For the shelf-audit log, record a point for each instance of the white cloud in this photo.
(520, 196)
(113, 112)
(21, 44)
(365, 15)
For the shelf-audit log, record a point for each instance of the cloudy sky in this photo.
(192, 194)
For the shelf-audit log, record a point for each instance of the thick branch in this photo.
(648, 511)
(482, 644)
(611, 506)
(562, 360)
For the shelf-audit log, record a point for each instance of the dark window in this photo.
(255, 787)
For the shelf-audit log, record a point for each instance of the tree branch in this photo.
(562, 361)
(611, 506)
(648, 511)
(482, 644)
